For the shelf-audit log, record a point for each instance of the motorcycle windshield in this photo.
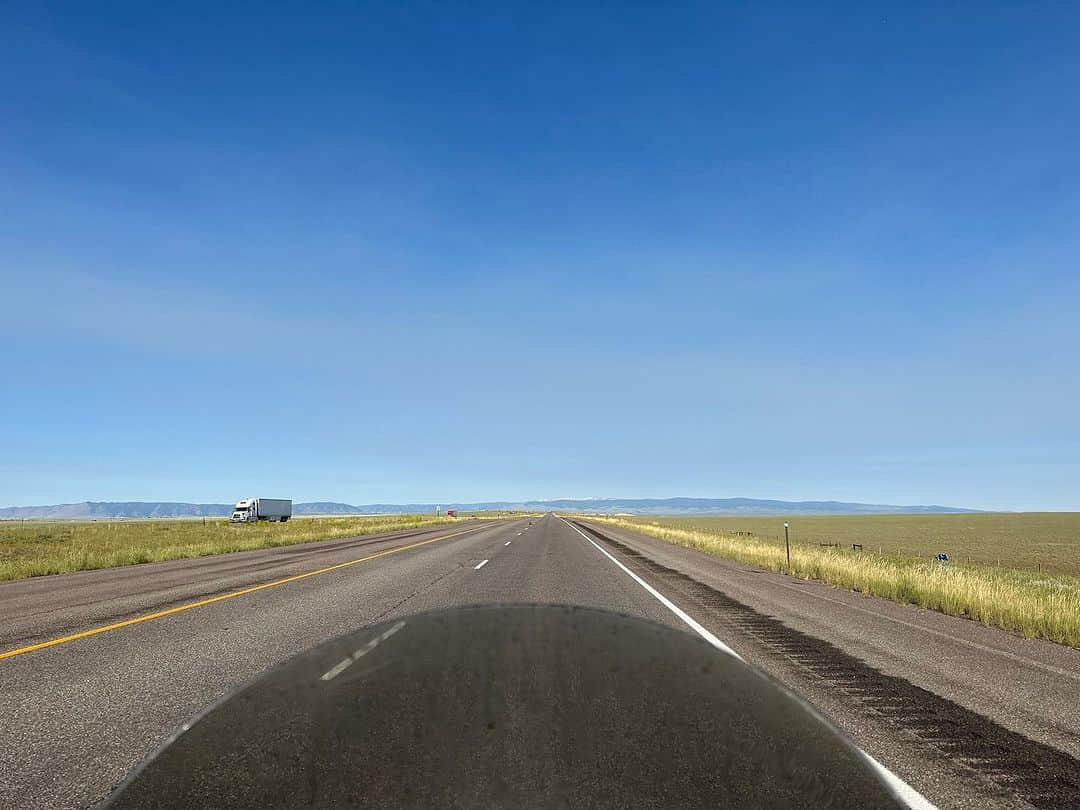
(509, 706)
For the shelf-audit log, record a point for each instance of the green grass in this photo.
(37, 548)
(1013, 595)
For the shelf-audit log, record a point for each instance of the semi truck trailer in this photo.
(249, 510)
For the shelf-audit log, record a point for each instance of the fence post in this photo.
(787, 547)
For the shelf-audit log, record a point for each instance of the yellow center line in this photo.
(203, 602)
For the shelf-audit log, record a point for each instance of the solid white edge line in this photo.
(905, 792)
(697, 628)
(481, 565)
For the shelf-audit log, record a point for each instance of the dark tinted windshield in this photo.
(522, 706)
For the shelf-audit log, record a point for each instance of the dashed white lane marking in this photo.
(905, 792)
(337, 669)
(481, 565)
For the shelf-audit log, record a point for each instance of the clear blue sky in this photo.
(389, 252)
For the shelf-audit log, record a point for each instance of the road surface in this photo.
(968, 716)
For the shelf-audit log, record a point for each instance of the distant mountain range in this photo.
(115, 509)
(631, 506)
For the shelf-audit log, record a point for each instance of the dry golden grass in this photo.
(37, 548)
(1035, 605)
(1039, 541)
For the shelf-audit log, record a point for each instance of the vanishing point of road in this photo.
(967, 715)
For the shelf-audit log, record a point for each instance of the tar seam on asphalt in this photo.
(1039, 774)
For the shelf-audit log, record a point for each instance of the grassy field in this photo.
(36, 548)
(994, 576)
(1046, 542)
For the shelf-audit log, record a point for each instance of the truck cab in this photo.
(244, 511)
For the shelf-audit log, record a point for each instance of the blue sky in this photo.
(390, 252)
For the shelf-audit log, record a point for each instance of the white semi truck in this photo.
(250, 510)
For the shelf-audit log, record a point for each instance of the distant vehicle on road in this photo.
(451, 512)
(249, 510)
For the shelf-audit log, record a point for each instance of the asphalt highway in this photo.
(97, 668)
